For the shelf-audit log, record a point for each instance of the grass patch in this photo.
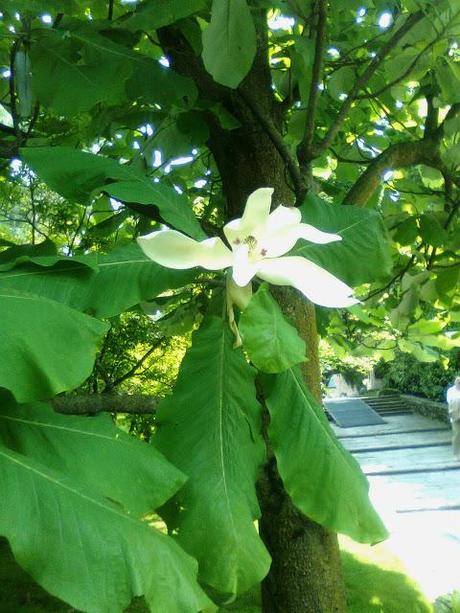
(375, 579)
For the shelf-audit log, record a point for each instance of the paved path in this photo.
(415, 486)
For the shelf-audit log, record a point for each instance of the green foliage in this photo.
(210, 429)
(122, 279)
(272, 343)
(409, 376)
(91, 76)
(77, 86)
(77, 538)
(78, 175)
(157, 14)
(47, 347)
(363, 253)
(322, 478)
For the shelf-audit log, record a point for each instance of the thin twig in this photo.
(304, 149)
(132, 371)
(361, 82)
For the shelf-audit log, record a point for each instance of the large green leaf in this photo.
(78, 65)
(70, 81)
(324, 481)
(79, 175)
(124, 278)
(92, 451)
(47, 347)
(73, 173)
(272, 343)
(361, 256)
(210, 429)
(85, 549)
(229, 42)
(174, 208)
(154, 14)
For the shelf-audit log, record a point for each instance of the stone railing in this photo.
(429, 408)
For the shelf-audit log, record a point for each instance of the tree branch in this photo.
(304, 149)
(401, 155)
(91, 404)
(361, 82)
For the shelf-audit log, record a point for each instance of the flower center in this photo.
(255, 252)
(251, 242)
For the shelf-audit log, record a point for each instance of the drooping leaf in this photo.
(324, 481)
(363, 253)
(125, 277)
(174, 208)
(229, 42)
(94, 452)
(47, 347)
(272, 343)
(85, 549)
(42, 254)
(13, 253)
(79, 175)
(210, 429)
(407, 231)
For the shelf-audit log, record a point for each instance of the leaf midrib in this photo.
(30, 422)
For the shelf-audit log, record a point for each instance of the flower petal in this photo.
(243, 269)
(284, 228)
(257, 207)
(314, 282)
(314, 235)
(175, 250)
(283, 216)
(255, 215)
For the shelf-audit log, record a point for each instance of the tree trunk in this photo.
(305, 575)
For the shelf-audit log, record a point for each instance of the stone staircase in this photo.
(388, 405)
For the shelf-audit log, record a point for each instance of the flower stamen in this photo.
(251, 242)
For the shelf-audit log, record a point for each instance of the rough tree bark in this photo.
(305, 576)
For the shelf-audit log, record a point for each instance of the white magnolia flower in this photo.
(257, 241)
